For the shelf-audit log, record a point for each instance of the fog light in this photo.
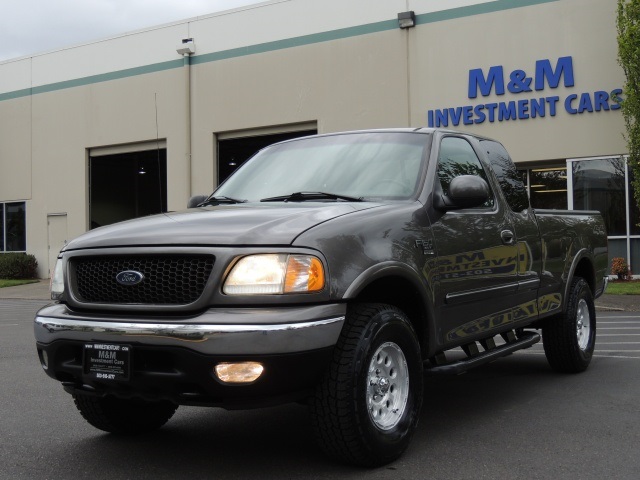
(44, 359)
(242, 372)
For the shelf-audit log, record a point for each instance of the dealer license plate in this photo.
(106, 361)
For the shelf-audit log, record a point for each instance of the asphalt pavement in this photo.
(513, 419)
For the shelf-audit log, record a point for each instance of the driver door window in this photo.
(457, 158)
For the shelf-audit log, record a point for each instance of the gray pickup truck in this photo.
(337, 270)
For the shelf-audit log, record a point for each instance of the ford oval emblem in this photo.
(129, 278)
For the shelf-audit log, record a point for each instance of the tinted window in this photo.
(548, 187)
(1, 227)
(510, 181)
(16, 240)
(599, 184)
(457, 157)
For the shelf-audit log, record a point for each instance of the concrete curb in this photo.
(602, 308)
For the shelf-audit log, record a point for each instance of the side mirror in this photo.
(196, 200)
(465, 191)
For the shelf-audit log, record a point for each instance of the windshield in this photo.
(371, 165)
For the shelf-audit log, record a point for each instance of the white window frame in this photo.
(625, 158)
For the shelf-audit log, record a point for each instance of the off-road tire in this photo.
(570, 337)
(116, 415)
(367, 407)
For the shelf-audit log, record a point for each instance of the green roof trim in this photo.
(478, 9)
(296, 41)
(103, 77)
(386, 25)
(25, 92)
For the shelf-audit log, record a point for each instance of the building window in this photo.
(548, 187)
(604, 184)
(127, 185)
(599, 184)
(634, 211)
(13, 237)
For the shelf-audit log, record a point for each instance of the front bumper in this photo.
(173, 359)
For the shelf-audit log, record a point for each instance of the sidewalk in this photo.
(620, 303)
(40, 291)
(31, 291)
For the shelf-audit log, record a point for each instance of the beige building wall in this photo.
(15, 133)
(339, 66)
(68, 123)
(15, 149)
(517, 38)
(343, 84)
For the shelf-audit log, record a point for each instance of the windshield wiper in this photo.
(219, 200)
(303, 196)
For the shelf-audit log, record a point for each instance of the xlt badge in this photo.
(426, 246)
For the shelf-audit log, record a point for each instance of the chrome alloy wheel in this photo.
(583, 324)
(388, 386)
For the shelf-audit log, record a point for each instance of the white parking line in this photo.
(617, 335)
(617, 351)
(620, 323)
(619, 328)
(616, 356)
(533, 352)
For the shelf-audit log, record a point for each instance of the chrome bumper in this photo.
(215, 332)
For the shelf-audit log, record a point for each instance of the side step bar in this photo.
(525, 340)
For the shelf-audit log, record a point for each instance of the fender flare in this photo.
(397, 269)
(582, 254)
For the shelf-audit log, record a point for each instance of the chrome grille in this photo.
(168, 279)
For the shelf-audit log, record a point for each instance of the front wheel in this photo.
(116, 415)
(569, 338)
(366, 409)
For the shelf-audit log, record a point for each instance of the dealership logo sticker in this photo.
(129, 278)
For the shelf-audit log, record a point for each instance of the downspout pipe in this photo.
(186, 49)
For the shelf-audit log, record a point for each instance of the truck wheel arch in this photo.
(582, 266)
(399, 285)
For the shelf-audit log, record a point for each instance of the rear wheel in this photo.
(569, 338)
(116, 415)
(367, 407)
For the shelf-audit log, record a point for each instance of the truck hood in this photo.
(239, 224)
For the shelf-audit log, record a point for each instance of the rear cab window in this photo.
(508, 177)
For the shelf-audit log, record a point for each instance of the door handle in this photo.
(508, 238)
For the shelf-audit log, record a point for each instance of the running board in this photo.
(525, 340)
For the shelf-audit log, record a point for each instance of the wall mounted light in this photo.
(187, 47)
(407, 19)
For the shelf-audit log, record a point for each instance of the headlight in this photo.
(275, 274)
(57, 281)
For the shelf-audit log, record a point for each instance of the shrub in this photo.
(620, 268)
(18, 266)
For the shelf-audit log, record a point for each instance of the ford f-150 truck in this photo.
(338, 270)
